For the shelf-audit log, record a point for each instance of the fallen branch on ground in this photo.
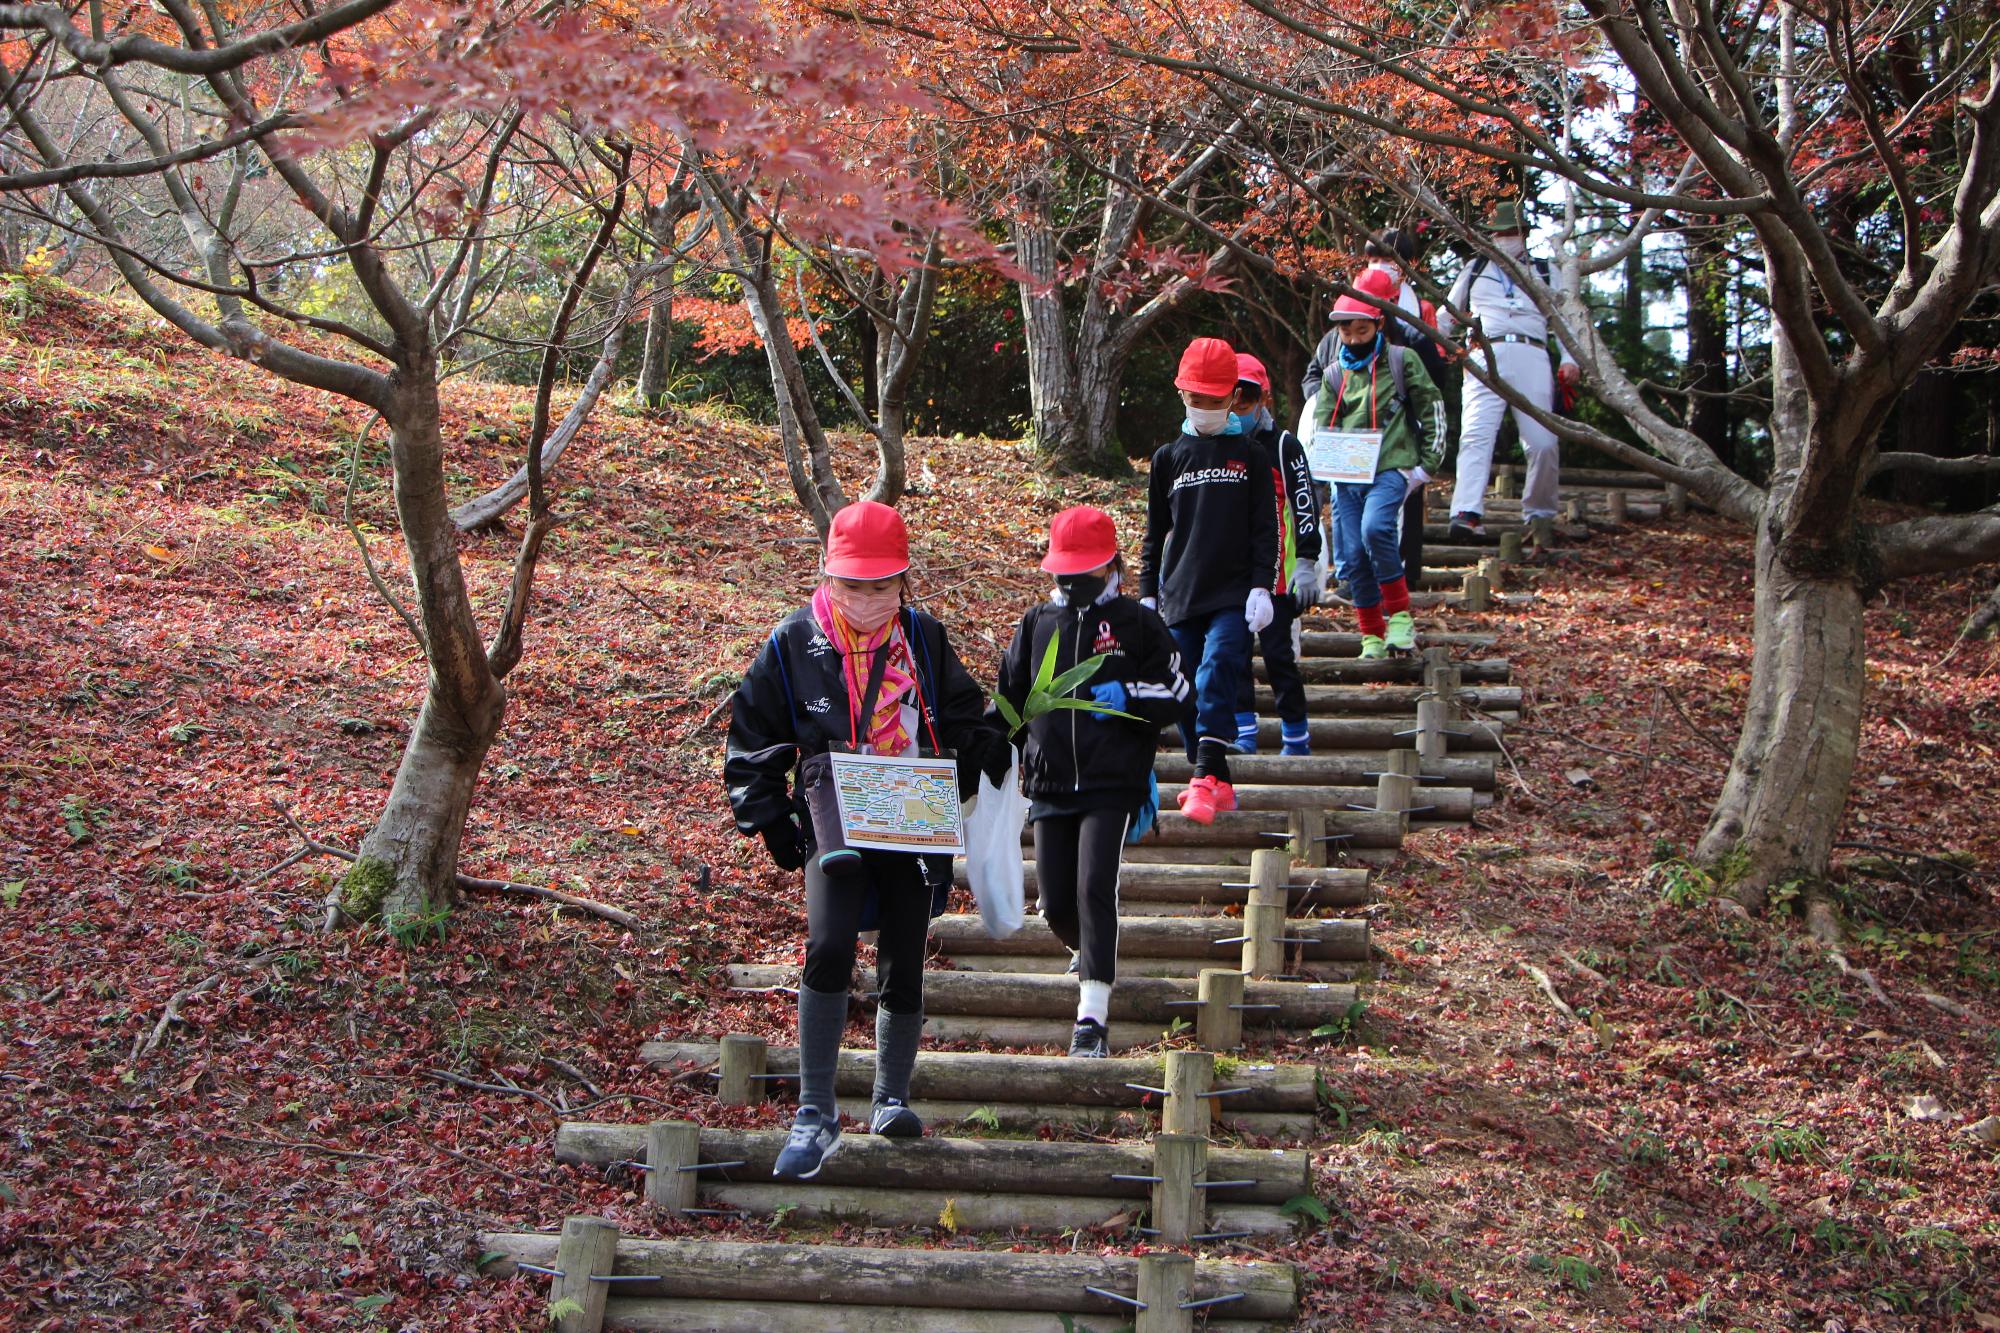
(1549, 989)
(144, 1046)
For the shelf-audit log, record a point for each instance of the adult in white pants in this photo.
(1506, 323)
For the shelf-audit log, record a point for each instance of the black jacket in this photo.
(793, 702)
(1211, 526)
(1069, 753)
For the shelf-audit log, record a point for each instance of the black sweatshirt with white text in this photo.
(1211, 526)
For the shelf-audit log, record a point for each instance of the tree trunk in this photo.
(1101, 375)
(1052, 404)
(1782, 803)
(658, 356)
(1707, 374)
(408, 864)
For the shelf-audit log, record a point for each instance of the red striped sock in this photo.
(1395, 596)
(1371, 619)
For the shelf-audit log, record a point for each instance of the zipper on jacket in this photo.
(1075, 749)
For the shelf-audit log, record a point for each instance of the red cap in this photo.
(867, 541)
(1080, 540)
(1378, 284)
(1250, 370)
(1208, 367)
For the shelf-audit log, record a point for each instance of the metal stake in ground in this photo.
(1189, 1075)
(742, 1064)
(588, 1250)
(1219, 1026)
(1166, 1285)
(1179, 1204)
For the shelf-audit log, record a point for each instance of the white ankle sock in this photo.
(1093, 1001)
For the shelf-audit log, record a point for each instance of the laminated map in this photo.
(899, 805)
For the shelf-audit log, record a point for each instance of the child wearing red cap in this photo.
(1374, 386)
(1301, 580)
(1089, 776)
(857, 669)
(1209, 561)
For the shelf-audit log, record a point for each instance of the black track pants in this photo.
(1076, 877)
(1281, 664)
(833, 919)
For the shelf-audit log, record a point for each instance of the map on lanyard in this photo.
(893, 804)
(1344, 455)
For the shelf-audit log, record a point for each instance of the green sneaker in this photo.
(1372, 648)
(1402, 636)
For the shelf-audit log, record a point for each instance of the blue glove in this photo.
(1111, 694)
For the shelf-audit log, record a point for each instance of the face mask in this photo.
(1263, 419)
(1208, 420)
(1357, 358)
(863, 610)
(1080, 589)
(1511, 245)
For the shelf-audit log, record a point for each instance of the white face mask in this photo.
(1208, 420)
(1511, 245)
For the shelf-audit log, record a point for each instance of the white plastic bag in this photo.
(993, 864)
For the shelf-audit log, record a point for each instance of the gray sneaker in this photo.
(893, 1119)
(814, 1138)
(1090, 1040)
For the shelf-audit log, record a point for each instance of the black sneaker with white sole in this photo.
(1467, 527)
(813, 1139)
(893, 1119)
(1090, 1040)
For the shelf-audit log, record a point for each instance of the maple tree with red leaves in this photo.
(394, 127)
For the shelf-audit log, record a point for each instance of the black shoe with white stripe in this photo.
(893, 1119)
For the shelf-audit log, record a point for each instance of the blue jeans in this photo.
(1220, 642)
(1366, 553)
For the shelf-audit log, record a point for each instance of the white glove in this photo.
(1307, 583)
(1416, 476)
(1257, 610)
(1150, 603)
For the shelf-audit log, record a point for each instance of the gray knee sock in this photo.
(822, 1020)
(896, 1038)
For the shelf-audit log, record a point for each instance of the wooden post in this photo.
(1677, 499)
(589, 1245)
(1308, 836)
(1431, 740)
(1576, 509)
(1614, 507)
(1166, 1283)
(1179, 1209)
(741, 1061)
(1219, 1027)
(1445, 683)
(1503, 485)
(1264, 914)
(1543, 531)
(1405, 762)
(1189, 1074)
(1395, 792)
(1491, 570)
(1510, 545)
(1477, 593)
(671, 1145)
(1435, 656)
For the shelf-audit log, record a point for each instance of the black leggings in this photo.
(833, 919)
(1281, 664)
(1076, 879)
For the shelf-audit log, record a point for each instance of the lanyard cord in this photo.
(1340, 394)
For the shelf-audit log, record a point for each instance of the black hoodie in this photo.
(1211, 526)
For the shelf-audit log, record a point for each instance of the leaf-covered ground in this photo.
(1721, 1138)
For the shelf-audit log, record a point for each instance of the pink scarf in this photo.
(886, 734)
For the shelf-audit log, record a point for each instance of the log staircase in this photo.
(1183, 1140)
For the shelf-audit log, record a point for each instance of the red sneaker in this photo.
(1205, 796)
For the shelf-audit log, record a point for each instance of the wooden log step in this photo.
(1138, 999)
(1155, 889)
(1256, 828)
(1235, 859)
(1338, 643)
(1354, 733)
(1399, 699)
(1352, 670)
(972, 1210)
(902, 1279)
(1018, 1166)
(1033, 964)
(1354, 768)
(1451, 804)
(762, 1316)
(1119, 1121)
(1599, 477)
(1335, 939)
(975, 1076)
